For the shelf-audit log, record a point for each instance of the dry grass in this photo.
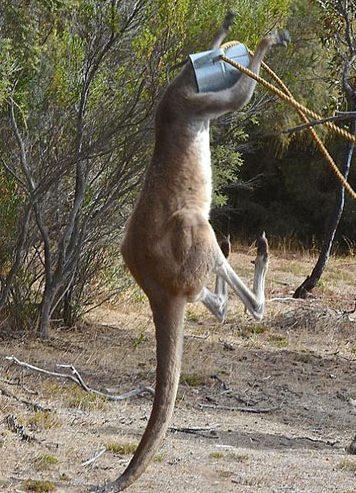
(121, 448)
(44, 462)
(193, 379)
(348, 465)
(299, 359)
(38, 486)
(43, 420)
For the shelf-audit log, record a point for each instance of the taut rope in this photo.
(302, 111)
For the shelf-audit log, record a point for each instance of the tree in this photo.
(338, 14)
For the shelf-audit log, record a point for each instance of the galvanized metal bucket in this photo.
(212, 74)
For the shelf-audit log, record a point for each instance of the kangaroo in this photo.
(169, 246)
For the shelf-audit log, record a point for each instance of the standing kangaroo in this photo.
(169, 245)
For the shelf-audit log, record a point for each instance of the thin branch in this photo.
(95, 457)
(77, 379)
(22, 236)
(313, 123)
(32, 405)
(254, 410)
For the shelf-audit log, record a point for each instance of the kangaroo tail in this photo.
(168, 317)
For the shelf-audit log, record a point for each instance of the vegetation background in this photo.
(79, 81)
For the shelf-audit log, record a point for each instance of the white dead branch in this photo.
(74, 376)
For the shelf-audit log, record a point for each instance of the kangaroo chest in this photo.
(202, 169)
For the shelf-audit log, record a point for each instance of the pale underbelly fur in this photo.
(203, 160)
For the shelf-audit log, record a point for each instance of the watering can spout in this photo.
(212, 73)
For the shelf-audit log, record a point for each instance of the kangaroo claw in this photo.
(262, 246)
(229, 19)
(284, 37)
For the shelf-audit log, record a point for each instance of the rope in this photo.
(334, 128)
(302, 111)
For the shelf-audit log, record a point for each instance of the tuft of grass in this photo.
(74, 397)
(44, 462)
(233, 456)
(43, 420)
(53, 388)
(193, 379)
(159, 457)
(123, 448)
(225, 474)
(278, 341)
(238, 457)
(256, 329)
(216, 455)
(191, 316)
(38, 486)
(347, 465)
(139, 340)
(304, 357)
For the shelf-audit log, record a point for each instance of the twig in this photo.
(227, 345)
(286, 299)
(94, 458)
(77, 379)
(254, 410)
(192, 336)
(19, 384)
(209, 432)
(304, 126)
(350, 312)
(33, 405)
(331, 443)
(221, 381)
(19, 429)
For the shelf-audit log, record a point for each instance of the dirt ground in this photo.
(296, 370)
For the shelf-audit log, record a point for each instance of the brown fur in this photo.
(169, 245)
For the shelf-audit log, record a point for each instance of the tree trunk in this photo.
(68, 318)
(333, 222)
(46, 310)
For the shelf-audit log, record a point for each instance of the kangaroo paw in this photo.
(262, 246)
(281, 38)
(229, 20)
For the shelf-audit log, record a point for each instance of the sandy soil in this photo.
(298, 365)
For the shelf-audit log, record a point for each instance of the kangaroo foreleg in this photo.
(214, 104)
(223, 31)
(253, 300)
(216, 302)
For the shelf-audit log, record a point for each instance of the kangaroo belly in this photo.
(190, 242)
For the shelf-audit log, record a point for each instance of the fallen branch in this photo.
(331, 443)
(227, 345)
(193, 336)
(95, 457)
(221, 381)
(285, 299)
(207, 432)
(19, 429)
(17, 383)
(77, 379)
(254, 410)
(33, 405)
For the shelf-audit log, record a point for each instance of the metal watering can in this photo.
(213, 74)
